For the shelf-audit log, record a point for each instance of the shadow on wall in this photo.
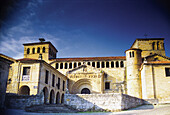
(102, 102)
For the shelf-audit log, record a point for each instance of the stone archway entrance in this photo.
(24, 90)
(58, 98)
(85, 91)
(52, 97)
(45, 91)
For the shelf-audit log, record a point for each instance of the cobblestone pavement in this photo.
(142, 110)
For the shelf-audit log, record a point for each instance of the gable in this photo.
(157, 57)
(84, 69)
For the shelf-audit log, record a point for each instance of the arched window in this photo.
(43, 50)
(153, 45)
(33, 50)
(103, 65)
(38, 50)
(79, 63)
(56, 66)
(88, 63)
(121, 64)
(75, 64)
(93, 64)
(70, 65)
(117, 64)
(28, 50)
(107, 64)
(61, 65)
(112, 64)
(157, 45)
(65, 65)
(98, 64)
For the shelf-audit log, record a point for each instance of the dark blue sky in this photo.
(83, 28)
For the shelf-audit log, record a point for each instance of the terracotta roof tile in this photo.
(158, 62)
(89, 58)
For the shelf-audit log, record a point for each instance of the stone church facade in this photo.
(144, 72)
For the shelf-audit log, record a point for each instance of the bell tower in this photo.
(40, 50)
(133, 61)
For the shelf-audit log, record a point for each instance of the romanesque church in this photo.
(144, 72)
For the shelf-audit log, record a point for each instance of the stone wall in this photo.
(15, 101)
(101, 102)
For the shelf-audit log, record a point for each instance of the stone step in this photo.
(51, 108)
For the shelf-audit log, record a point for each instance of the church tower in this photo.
(133, 61)
(40, 50)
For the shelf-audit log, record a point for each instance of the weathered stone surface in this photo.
(15, 101)
(101, 102)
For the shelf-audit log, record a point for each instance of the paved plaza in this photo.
(142, 110)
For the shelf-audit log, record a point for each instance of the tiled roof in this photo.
(25, 59)
(7, 57)
(159, 62)
(89, 58)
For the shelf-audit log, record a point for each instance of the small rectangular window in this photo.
(167, 70)
(46, 77)
(26, 74)
(58, 83)
(63, 85)
(107, 85)
(53, 80)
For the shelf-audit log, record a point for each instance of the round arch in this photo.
(81, 84)
(52, 96)
(62, 98)
(85, 91)
(45, 91)
(24, 90)
(58, 98)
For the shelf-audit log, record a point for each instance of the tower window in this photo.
(117, 64)
(107, 85)
(103, 65)
(112, 64)
(65, 65)
(107, 64)
(121, 64)
(61, 65)
(70, 65)
(98, 64)
(75, 64)
(33, 50)
(56, 66)
(130, 54)
(157, 45)
(43, 50)
(28, 50)
(38, 50)
(133, 54)
(153, 45)
(167, 70)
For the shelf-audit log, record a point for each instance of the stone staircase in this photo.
(51, 108)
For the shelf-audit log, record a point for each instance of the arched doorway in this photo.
(45, 91)
(58, 98)
(79, 85)
(24, 90)
(85, 91)
(62, 98)
(52, 96)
